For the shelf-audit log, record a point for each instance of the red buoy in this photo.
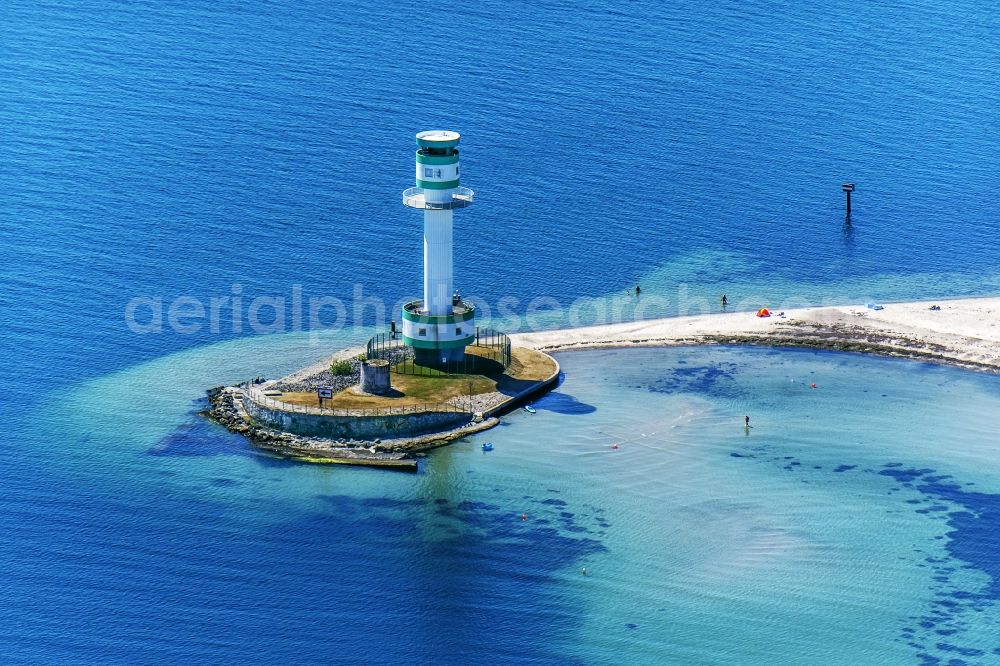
(812, 386)
(615, 447)
(524, 516)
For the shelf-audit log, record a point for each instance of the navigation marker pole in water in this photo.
(848, 188)
(440, 326)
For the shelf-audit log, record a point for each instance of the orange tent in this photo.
(763, 312)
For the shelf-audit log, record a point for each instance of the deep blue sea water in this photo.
(202, 149)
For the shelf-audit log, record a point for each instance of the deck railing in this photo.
(415, 197)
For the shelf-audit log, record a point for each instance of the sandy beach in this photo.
(963, 332)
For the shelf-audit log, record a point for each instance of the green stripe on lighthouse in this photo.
(437, 184)
(438, 344)
(437, 159)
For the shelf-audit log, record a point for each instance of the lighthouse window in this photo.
(421, 331)
(437, 173)
(428, 172)
(456, 170)
(458, 331)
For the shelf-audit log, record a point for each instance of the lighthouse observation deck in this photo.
(414, 197)
(460, 311)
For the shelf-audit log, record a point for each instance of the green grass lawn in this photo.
(434, 386)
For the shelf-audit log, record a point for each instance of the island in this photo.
(440, 376)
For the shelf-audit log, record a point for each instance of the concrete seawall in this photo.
(390, 438)
(527, 394)
(387, 426)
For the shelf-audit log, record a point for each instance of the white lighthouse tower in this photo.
(440, 326)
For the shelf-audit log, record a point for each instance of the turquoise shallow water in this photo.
(206, 149)
(853, 523)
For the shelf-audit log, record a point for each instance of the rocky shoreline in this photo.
(226, 409)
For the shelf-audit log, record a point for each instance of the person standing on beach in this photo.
(724, 300)
(746, 419)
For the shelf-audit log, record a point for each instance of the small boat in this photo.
(529, 409)
(487, 446)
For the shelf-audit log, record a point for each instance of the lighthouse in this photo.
(441, 325)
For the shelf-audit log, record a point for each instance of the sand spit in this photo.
(963, 332)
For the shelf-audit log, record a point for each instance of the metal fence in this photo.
(257, 396)
(489, 354)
